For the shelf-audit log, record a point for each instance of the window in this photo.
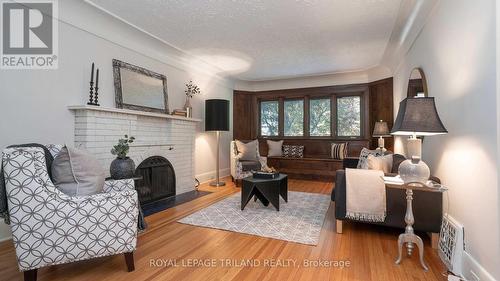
(294, 118)
(349, 116)
(319, 117)
(269, 118)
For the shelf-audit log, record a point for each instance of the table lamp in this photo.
(217, 119)
(417, 116)
(380, 131)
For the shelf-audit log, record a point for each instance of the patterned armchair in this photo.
(49, 227)
(242, 169)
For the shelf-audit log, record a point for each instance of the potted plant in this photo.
(191, 90)
(122, 167)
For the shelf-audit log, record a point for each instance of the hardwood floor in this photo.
(369, 250)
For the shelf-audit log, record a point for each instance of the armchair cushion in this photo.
(248, 151)
(77, 173)
(363, 157)
(247, 166)
(381, 163)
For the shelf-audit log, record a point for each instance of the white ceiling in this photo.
(268, 39)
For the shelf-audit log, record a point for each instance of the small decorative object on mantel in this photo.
(191, 90)
(122, 167)
(96, 94)
(180, 112)
(93, 94)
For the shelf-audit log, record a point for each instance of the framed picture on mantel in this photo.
(137, 88)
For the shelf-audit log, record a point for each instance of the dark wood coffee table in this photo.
(266, 190)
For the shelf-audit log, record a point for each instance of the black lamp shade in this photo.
(216, 115)
(418, 116)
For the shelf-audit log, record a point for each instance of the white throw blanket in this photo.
(365, 195)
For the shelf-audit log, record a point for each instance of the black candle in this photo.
(92, 74)
(97, 78)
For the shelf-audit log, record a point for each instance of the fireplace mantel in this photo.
(97, 130)
(132, 112)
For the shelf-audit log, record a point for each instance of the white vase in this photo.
(188, 107)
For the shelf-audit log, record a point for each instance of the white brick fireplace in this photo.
(97, 129)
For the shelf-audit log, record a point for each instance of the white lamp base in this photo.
(414, 147)
(381, 144)
(217, 183)
(414, 170)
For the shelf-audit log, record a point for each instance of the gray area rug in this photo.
(300, 220)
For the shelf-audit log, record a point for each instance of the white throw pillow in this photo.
(248, 151)
(274, 148)
(380, 163)
(363, 163)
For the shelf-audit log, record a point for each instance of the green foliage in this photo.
(269, 118)
(349, 116)
(191, 89)
(121, 149)
(320, 118)
(294, 118)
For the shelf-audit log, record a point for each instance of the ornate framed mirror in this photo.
(137, 88)
(417, 84)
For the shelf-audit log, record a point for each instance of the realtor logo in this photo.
(29, 34)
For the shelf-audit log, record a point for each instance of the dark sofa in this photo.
(427, 206)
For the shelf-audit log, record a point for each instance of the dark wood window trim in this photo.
(306, 95)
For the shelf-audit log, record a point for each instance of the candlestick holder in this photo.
(91, 95)
(96, 96)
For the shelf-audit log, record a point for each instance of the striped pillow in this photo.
(339, 150)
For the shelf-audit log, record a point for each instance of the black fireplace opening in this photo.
(157, 180)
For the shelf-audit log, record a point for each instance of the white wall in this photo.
(33, 102)
(456, 50)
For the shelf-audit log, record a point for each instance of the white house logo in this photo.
(29, 34)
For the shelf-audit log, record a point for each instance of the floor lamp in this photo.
(217, 119)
